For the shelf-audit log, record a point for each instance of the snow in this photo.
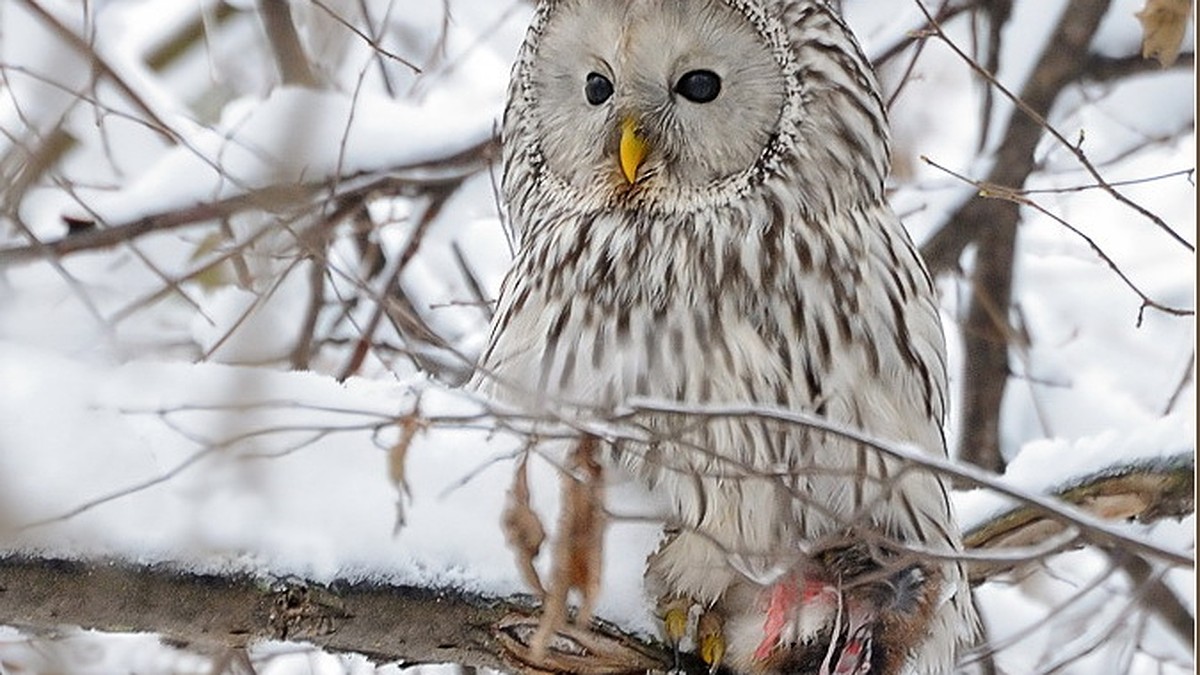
(1087, 622)
(157, 426)
(1047, 466)
(82, 652)
(283, 472)
(299, 136)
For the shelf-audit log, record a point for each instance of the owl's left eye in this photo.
(598, 88)
(699, 86)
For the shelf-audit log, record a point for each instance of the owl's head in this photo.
(672, 104)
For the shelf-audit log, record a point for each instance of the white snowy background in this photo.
(149, 413)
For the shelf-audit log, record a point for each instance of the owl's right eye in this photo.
(699, 86)
(598, 88)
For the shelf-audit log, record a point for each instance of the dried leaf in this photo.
(397, 461)
(1163, 25)
(523, 528)
(578, 545)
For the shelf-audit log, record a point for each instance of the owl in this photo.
(697, 191)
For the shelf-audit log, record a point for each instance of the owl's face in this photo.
(653, 97)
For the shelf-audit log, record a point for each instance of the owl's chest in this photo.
(605, 315)
(620, 262)
(604, 354)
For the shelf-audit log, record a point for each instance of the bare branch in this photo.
(290, 58)
(1063, 62)
(1106, 68)
(373, 42)
(1141, 491)
(1091, 528)
(288, 198)
(390, 623)
(992, 224)
(418, 624)
(436, 201)
(81, 46)
(988, 191)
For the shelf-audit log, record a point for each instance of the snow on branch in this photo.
(1142, 491)
(428, 616)
(420, 624)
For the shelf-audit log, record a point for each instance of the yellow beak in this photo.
(633, 150)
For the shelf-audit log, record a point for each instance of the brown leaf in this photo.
(1163, 25)
(523, 528)
(397, 460)
(578, 544)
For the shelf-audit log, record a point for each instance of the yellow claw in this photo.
(675, 620)
(633, 150)
(710, 640)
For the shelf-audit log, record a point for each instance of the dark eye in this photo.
(598, 88)
(699, 86)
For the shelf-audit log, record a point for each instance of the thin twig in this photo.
(375, 44)
(287, 198)
(1074, 148)
(436, 200)
(1098, 531)
(989, 191)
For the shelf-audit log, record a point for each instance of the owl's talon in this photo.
(674, 614)
(710, 639)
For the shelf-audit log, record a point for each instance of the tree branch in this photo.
(414, 624)
(290, 58)
(384, 622)
(1145, 492)
(992, 226)
(1104, 68)
(205, 611)
(273, 198)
